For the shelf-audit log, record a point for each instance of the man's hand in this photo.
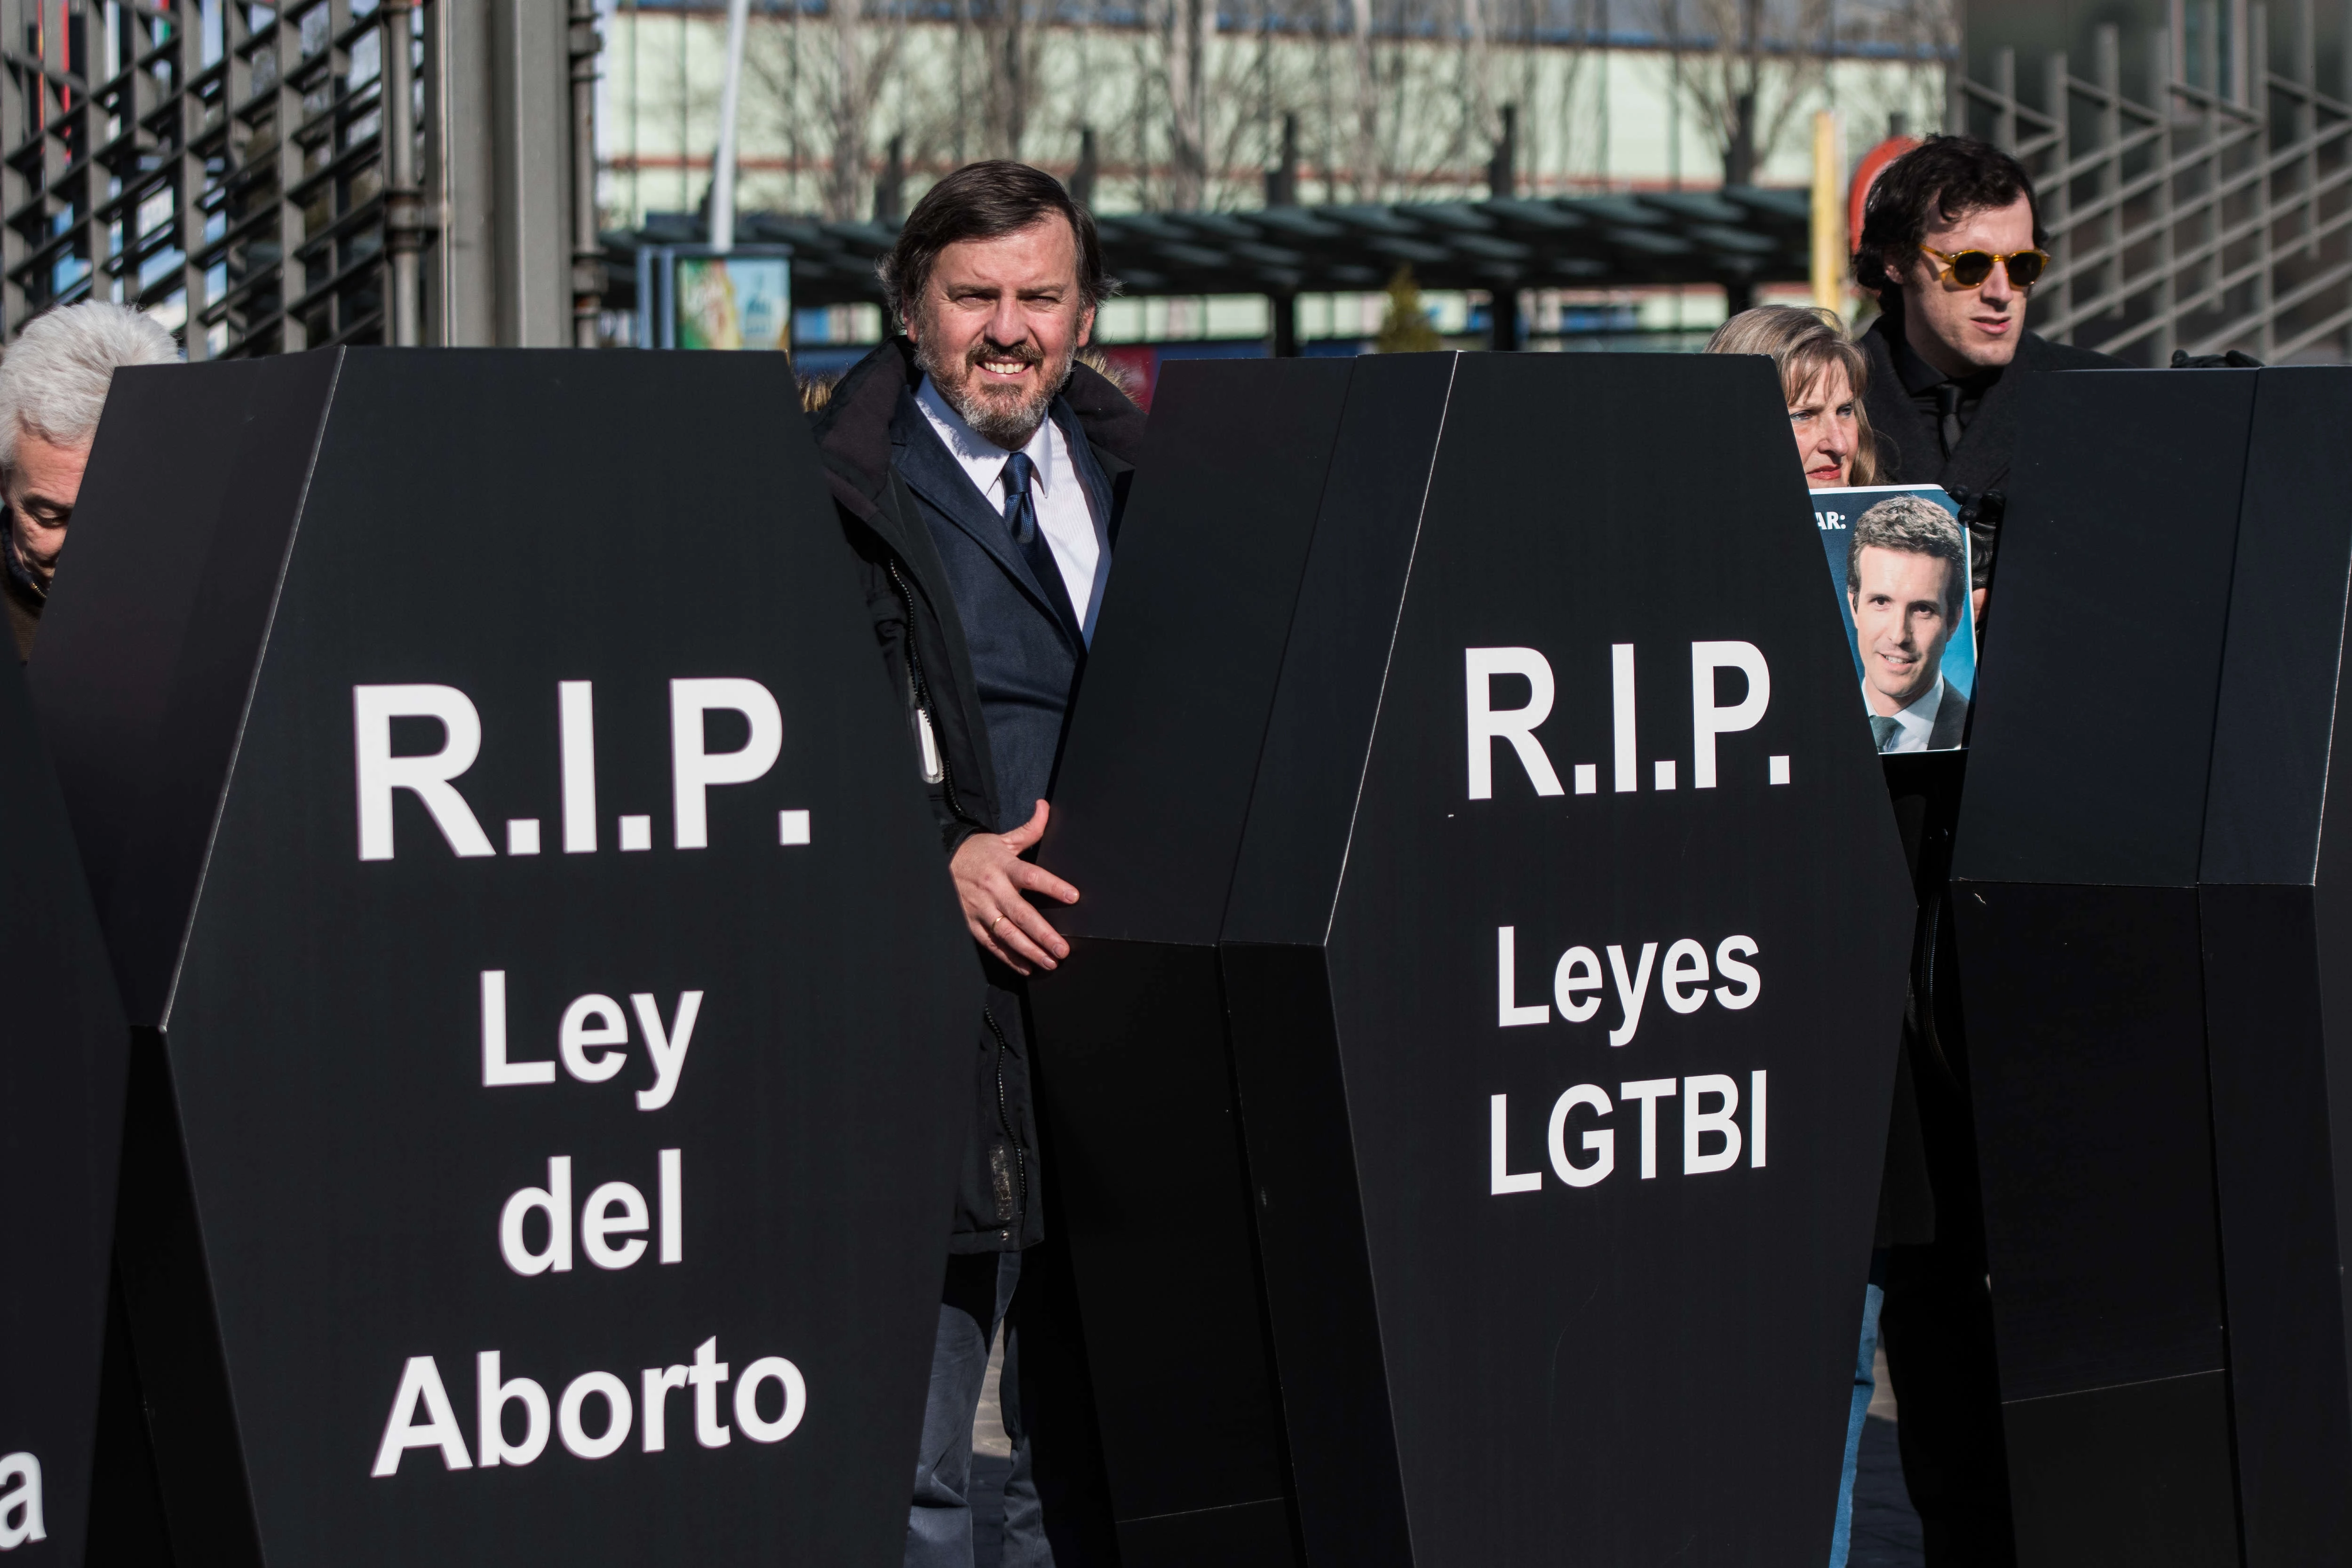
(989, 877)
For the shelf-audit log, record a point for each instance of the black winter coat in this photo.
(929, 668)
(1981, 462)
(1929, 1188)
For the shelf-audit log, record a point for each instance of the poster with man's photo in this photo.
(1900, 558)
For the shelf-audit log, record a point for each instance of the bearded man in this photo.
(978, 472)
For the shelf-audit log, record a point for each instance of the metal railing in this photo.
(2212, 216)
(221, 166)
(270, 178)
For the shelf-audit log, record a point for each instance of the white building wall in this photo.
(1589, 119)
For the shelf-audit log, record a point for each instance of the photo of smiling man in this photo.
(1906, 591)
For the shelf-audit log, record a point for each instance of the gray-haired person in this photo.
(53, 383)
(1906, 584)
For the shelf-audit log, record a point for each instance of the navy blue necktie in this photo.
(1021, 517)
(1020, 507)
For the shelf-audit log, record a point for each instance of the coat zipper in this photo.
(1005, 1120)
(923, 690)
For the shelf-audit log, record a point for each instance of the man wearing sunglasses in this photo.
(1951, 244)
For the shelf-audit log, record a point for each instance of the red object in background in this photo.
(1136, 367)
(1865, 173)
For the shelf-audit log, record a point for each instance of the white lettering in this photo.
(694, 769)
(1508, 1014)
(574, 1036)
(420, 1383)
(666, 1048)
(1516, 725)
(1683, 980)
(1730, 968)
(1621, 701)
(747, 1399)
(707, 1373)
(1707, 721)
(423, 1418)
(554, 1200)
(574, 1431)
(613, 1209)
(1699, 1123)
(657, 1382)
(673, 1206)
(1685, 967)
(1602, 1142)
(1633, 991)
(1500, 1179)
(496, 1071)
(491, 1398)
(20, 1502)
(426, 775)
(1756, 1120)
(1649, 1091)
(1579, 969)
(575, 705)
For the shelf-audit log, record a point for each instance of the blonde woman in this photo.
(1824, 377)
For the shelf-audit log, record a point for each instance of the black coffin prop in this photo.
(1483, 1353)
(622, 1040)
(61, 1075)
(1148, 824)
(2154, 968)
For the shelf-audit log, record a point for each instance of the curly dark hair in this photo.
(985, 201)
(1955, 175)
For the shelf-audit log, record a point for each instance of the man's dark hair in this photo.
(1915, 526)
(1950, 176)
(985, 201)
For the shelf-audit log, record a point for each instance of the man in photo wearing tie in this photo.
(978, 472)
(1906, 585)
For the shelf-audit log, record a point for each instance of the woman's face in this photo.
(1823, 418)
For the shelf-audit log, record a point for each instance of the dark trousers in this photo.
(1936, 1320)
(1056, 1501)
(976, 1298)
(1937, 1328)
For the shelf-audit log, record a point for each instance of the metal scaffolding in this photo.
(266, 179)
(2205, 213)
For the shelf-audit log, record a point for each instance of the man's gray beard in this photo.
(993, 422)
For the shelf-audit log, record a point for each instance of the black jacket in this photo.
(1911, 452)
(1929, 1190)
(929, 668)
(1022, 632)
(1950, 726)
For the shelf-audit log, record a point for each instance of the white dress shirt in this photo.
(1060, 497)
(1915, 723)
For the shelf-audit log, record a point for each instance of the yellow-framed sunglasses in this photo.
(1970, 269)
